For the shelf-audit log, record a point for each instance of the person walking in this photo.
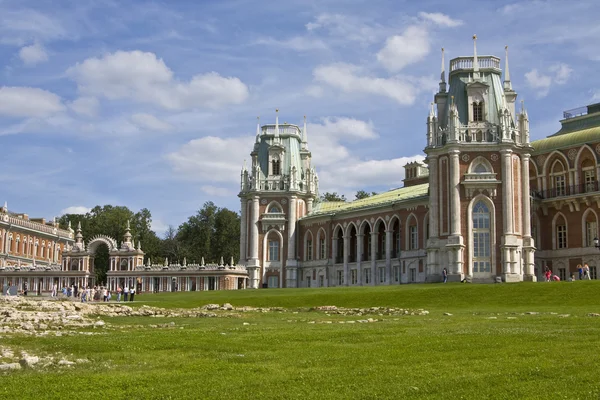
(131, 293)
(118, 294)
(125, 293)
(445, 275)
(586, 272)
(580, 270)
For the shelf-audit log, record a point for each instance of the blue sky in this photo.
(154, 104)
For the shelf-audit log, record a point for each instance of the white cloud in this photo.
(85, 106)
(402, 50)
(158, 227)
(142, 77)
(562, 72)
(297, 43)
(440, 19)
(34, 54)
(148, 121)
(314, 91)
(28, 102)
(211, 159)
(345, 78)
(216, 191)
(558, 74)
(19, 27)
(75, 210)
(345, 27)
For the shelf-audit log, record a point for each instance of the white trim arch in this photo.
(584, 216)
(425, 229)
(324, 233)
(272, 264)
(480, 161)
(334, 243)
(492, 209)
(305, 246)
(407, 232)
(274, 203)
(554, 238)
(396, 242)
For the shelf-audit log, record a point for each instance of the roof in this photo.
(382, 199)
(589, 135)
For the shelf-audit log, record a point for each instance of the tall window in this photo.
(591, 232)
(273, 281)
(558, 179)
(274, 210)
(367, 275)
(382, 275)
(309, 249)
(322, 248)
(478, 111)
(589, 179)
(397, 273)
(35, 249)
(481, 238)
(413, 236)
(354, 276)
(561, 236)
(276, 167)
(340, 278)
(273, 250)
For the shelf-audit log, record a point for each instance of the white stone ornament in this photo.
(572, 154)
(283, 201)
(494, 157)
(598, 148)
(263, 201)
(465, 157)
(542, 158)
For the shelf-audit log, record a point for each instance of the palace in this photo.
(488, 206)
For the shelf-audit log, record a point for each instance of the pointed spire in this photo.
(184, 261)
(202, 261)
(475, 61)
(139, 245)
(69, 227)
(231, 262)
(5, 208)
(221, 261)
(304, 136)
(507, 84)
(277, 123)
(257, 129)
(443, 75)
(432, 110)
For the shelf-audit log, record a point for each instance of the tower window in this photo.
(276, 167)
(478, 111)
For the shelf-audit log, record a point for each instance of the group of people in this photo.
(96, 293)
(583, 270)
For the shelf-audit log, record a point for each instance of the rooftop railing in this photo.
(467, 62)
(575, 112)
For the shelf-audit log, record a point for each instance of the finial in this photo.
(5, 205)
(221, 261)
(202, 261)
(257, 128)
(231, 262)
(507, 84)
(475, 61)
(128, 225)
(69, 227)
(431, 110)
(304, 136)
(522, 106)
(79, 226)
(139, 245)
(443, 77)
(277, 123)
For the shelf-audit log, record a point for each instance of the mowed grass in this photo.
(489, 348)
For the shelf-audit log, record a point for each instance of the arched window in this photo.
(273, 250)
(10, 243)
(74, 265)
(17, 246)
(308, 246)
(558, 179)
(276, 167)
(322, 244)
(478, 111)
(274, 209)
(124, 265)
(35, 248)
(591, 229)
(560, 227)
(480, 169)
(481, 239)
(588, 170)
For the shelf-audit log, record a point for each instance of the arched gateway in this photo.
(78, 260)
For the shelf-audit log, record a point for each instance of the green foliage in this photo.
(489, 348)
(212, 233)
(332, 196)
(361, 194)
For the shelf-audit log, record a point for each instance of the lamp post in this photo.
(597, 243)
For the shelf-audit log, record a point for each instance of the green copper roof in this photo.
(389, 197)
(590, 135)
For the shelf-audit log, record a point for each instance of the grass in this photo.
(489, 348)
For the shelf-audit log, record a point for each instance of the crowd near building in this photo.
(487, 205)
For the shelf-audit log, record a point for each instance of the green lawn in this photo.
(490, 347)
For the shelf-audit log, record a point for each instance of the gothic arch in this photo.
(363, 224)
(377, 221)
(480, 161)
(308, 253)
(559, 215)
(490, 204)
(412, 216)
(553, 157)
(321, 234)
(581, 151)
(585, 240)
(265, 244)
(101, 239)
(274, 203)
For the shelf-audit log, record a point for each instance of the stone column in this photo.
(507, 191)
(374, 237)
(455, 222)
(309, 205)
(291, 266)
(253, 264)
(388, 255)
(528, 241)
(346, 255)
(359, 247)
(243, 231)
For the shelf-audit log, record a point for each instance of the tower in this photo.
(275, 193)
(478, 154)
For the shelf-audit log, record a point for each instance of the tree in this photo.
(170, 245)
(196, 233)
(328, 196)
(226, 240)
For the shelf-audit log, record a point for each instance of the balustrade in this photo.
(563, 191)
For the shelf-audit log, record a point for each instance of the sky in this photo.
(154, 104)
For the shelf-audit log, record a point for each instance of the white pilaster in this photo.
(243, 231)
(388, 255)
(291, 263)
(253, 265)
(528, 241)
